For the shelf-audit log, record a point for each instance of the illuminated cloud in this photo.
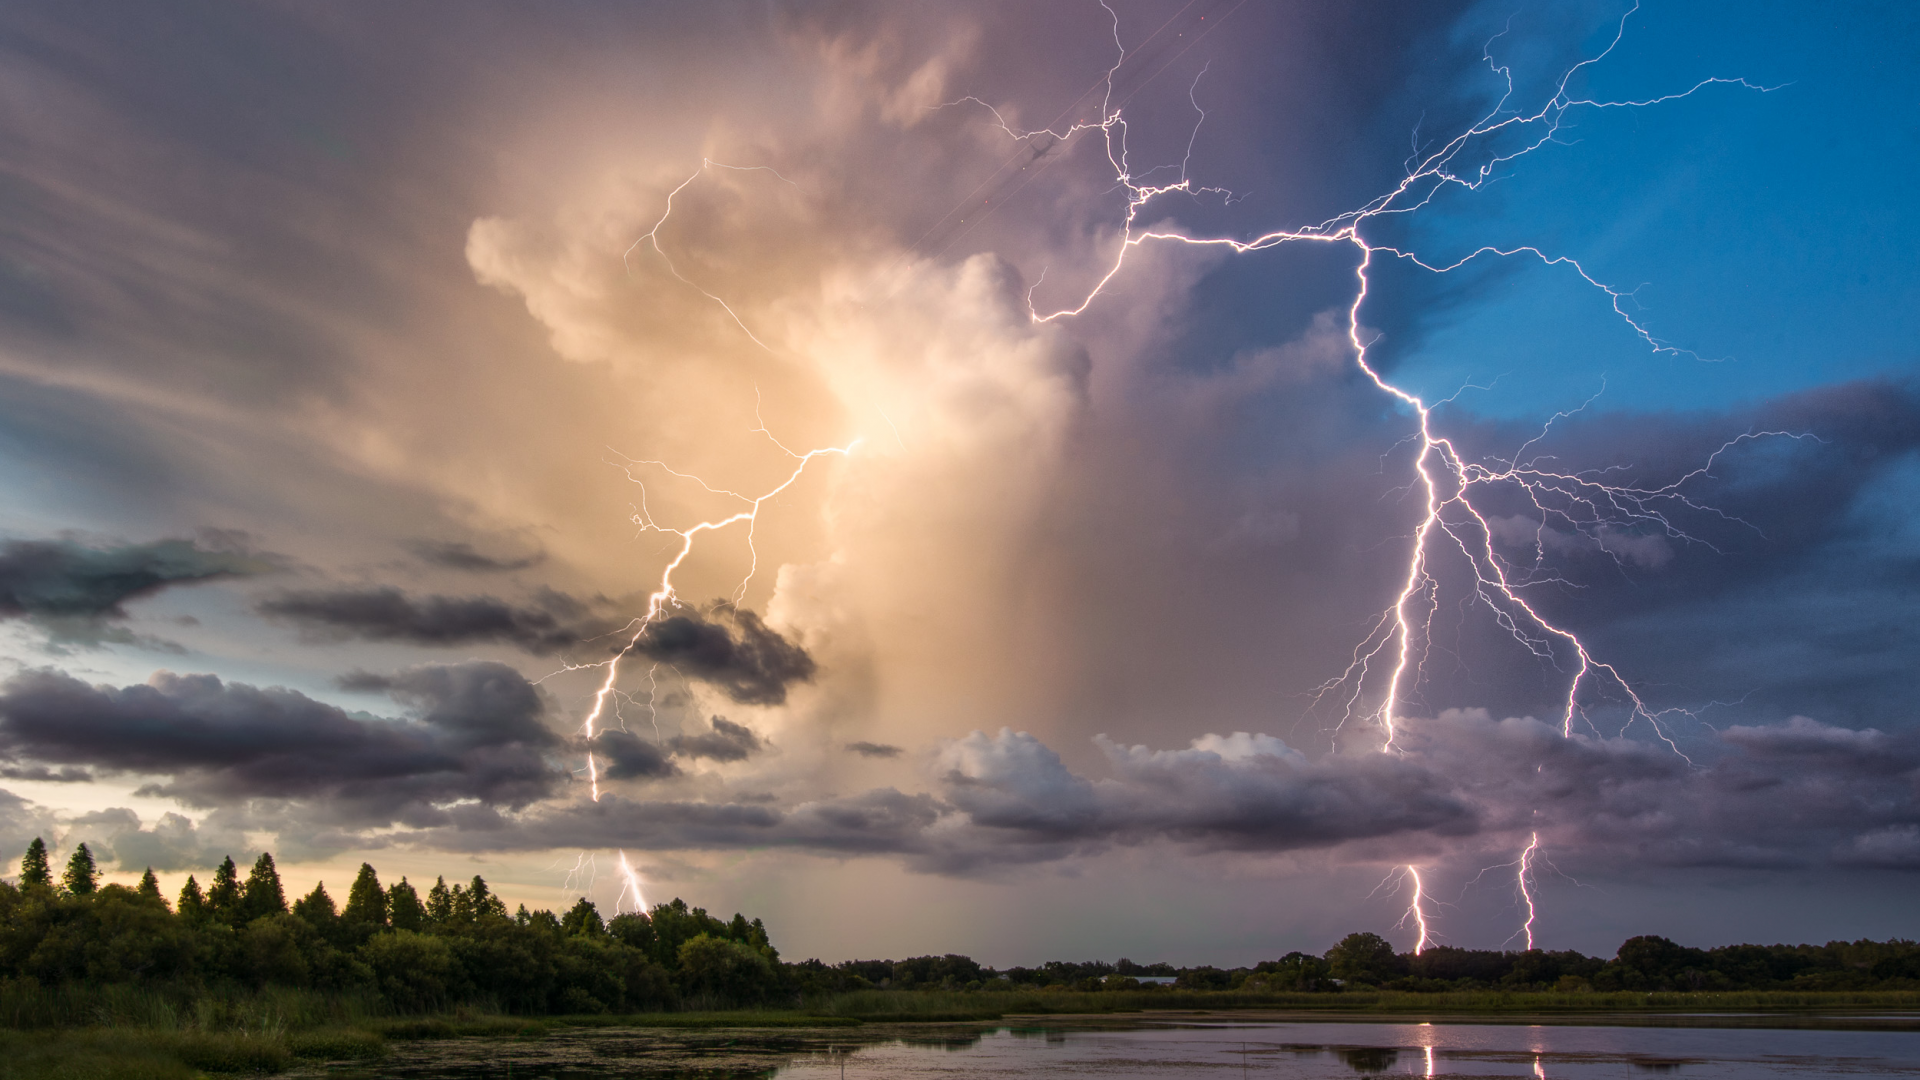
(344, 325)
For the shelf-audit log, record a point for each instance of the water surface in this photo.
(1147, 1047)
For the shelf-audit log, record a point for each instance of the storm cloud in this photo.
(476, 734)
(731, 649)
(875, 750)
(1780, 797)
(386, 613)
(73, 588)
(724, 741)
(461, 555)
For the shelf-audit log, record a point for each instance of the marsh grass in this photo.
(136, 1054)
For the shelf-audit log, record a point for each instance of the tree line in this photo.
(418, 953)
(458, 944)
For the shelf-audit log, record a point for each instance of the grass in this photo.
(137, 1054)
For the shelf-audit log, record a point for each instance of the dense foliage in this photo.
(416, 953)
(458, 945)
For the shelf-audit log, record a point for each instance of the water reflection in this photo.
(1369, 1059)
(1159, 1047)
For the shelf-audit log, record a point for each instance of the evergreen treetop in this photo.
(192, 903)
(316, 907)
(223, 897)
(366, 900)
(82, 876)
(263, 894)
(33, 865)
(406, 911)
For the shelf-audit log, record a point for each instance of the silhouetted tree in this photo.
(149, 886)
(82, 876)
(366, 900)
(263, 895)
(316, 908)
(439, 903)
(582, 919)
(1363, 958)
(405, 909)
(33, 865)
(223, 897)
(192, 903)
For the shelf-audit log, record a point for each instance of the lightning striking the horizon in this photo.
(1523, 882)
(1416, 913)
(664, 594)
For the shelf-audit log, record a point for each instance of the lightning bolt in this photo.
(1416, 914)
(1417, 911)
(664, 595)
(1522, 881)
(629, 887)
(1387, 663)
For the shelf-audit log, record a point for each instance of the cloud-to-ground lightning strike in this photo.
(664, 594)
(1416, 915)
(1523, 882)
(1447, 479)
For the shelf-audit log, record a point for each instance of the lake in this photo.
(1145, 1047)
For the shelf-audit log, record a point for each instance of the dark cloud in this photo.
(874, 750)
(1779, 797)
(1249, 792)
(74, 588)
(729, 648)
(68, 775)
(476, 735)
(726, 647)
(625, 756)
(389, 614)
(460, 555)
(727, 741)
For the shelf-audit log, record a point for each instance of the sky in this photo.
(1136, 480)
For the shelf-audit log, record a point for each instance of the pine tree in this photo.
(316, 907)
(263, 894)
(366, 901)
(439, 903)
(481, 901)
(149, 886)
(82, 876)
(191, 904)
(223, 899)
(33, 865)
(403, 901)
